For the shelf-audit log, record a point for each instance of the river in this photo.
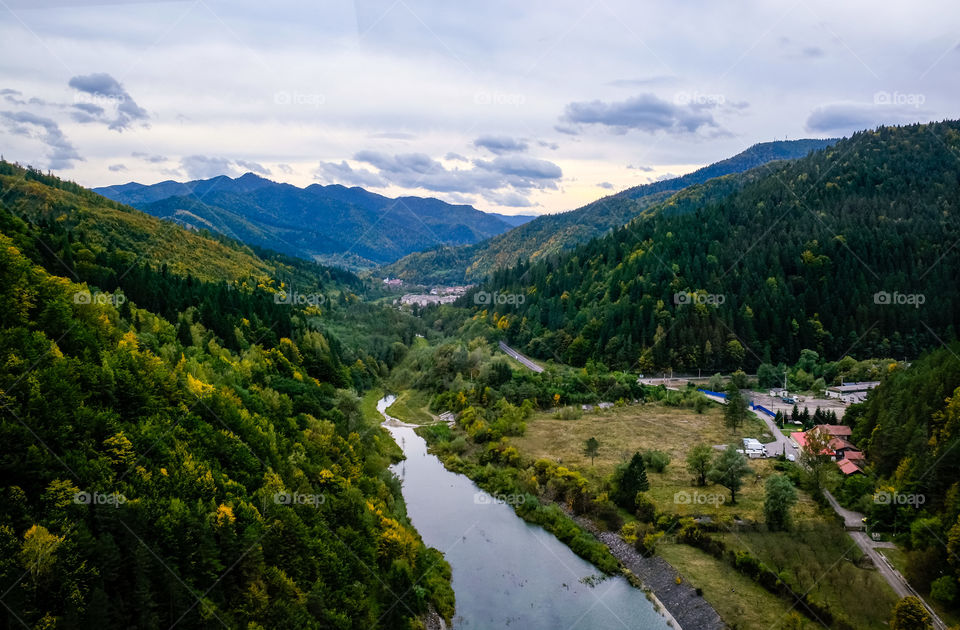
(507, 572)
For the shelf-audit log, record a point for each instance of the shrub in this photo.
(944, 589)
(655, 460)
(568, 413)
(646, 510)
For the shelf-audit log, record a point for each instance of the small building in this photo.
(839, 447)
(851, 392)
(848, 468)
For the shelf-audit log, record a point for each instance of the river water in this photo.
(507, 572)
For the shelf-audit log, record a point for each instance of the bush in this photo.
(646, 511)
(657, 461)
(944, 589)
(568, 413)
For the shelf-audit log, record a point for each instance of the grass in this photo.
(412, 406)
(741, 602)
(819, 558)
(368, 404)
(896, 557)
(623, 430)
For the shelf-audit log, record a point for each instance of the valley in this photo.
(198, 427)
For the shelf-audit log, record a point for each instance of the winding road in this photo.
(853, 522)
(526, 361)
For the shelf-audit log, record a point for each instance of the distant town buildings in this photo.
(437, 295)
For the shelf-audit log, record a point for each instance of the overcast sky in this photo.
(518, 107)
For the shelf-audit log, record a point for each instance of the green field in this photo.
(412, 406)
(816, 556)
(623, 430)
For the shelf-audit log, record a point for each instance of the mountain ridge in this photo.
(556, 232)
(334, 224)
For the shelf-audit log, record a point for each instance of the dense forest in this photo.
(552, 233)
(181, 447)
(847, 251)
(908, 427)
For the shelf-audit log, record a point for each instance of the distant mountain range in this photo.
(556, 232)
(349, 227)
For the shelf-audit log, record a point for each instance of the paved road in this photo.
(853, 521)
(781, 445)
(519, 357)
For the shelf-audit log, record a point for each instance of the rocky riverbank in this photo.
(688, 609)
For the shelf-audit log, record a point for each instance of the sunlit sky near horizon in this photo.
(512, 107)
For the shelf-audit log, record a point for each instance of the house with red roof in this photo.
(839, 447)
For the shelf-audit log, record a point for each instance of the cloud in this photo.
(61, 155)
(102, 89)
(86, 112)
(632, 83)
(646, 112)
(253, 167)
(204, 167)
(498, 145)
(285, 168)
(343, 173)
(455, 157)
(116, 168)
(848, 117)
(523, 171)
(153, 159)
(553, 146)
(393, 135)
(509, 199)
(645, 169)
(503, 180)
(606, 185)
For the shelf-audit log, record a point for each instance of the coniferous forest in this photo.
(179, 450)
(850, 250)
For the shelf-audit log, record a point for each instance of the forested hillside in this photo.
(181, 447)
(909, 429)
(556, 232)
(335, 224)
(847, 251)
